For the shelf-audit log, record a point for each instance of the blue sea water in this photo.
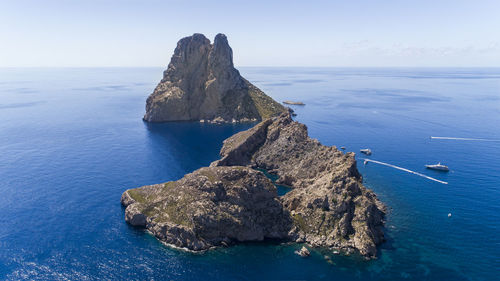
(72, 140)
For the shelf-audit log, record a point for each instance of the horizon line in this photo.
(257, 66)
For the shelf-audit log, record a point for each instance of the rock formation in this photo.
(209, 207)
(201, 83)
(232, 201)
(328, 204)
(303, 252)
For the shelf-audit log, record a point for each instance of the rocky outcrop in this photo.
(329, 205)
(232, 200)
(201, 83)
(303, 252)
(209, 207)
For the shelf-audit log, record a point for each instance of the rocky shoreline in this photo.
(231, 201)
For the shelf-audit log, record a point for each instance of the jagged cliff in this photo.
(329, 205)
(232, 201)
(201, 83)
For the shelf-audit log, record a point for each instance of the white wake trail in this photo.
(464, 139)
(406, 170)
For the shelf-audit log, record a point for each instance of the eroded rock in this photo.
(201, 83)
(303, 252)
(231, 201)
(329, 205)
(210, 207)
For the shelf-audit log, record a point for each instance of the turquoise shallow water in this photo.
(72, 140)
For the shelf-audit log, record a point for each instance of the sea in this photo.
(72, 140)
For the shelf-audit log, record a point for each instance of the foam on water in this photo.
(403, 169)
(464, 139)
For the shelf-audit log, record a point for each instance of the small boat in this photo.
(366, 151)
(342, 147)
(438, 167)
(294, 102)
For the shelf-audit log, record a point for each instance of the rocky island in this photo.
(232, 201)
(201, 84)
(329, 205)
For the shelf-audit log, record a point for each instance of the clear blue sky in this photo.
(261, 32)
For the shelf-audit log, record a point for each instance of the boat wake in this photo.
(464, 139)
(403, 169)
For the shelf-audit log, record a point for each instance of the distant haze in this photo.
(90, 33)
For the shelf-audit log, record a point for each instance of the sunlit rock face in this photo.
(201, 83)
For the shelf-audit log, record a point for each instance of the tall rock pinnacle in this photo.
(201, 83)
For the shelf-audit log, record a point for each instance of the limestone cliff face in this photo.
(201, 83)
(329, 205)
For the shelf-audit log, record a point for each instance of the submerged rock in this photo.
(201, 83)
(303, 252)
(209, 207)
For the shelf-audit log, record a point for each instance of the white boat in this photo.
(294, 102)
(438, 167)
(366, 151)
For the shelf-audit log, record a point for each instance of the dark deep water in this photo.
(72, 140)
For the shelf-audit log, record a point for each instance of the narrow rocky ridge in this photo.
(329, 205)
